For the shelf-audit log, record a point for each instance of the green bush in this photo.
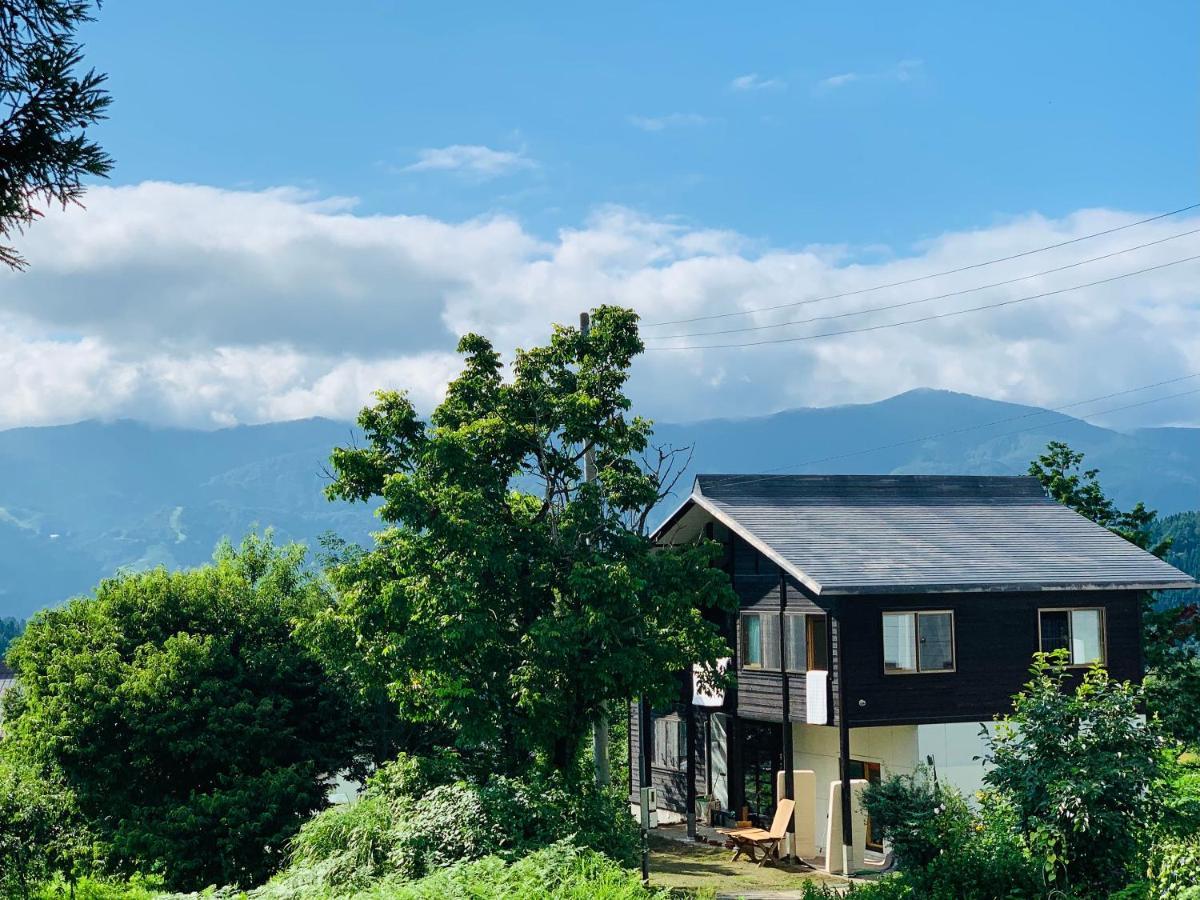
(944, 848)
(137, 888)
(390, 832)
(41, 832)
(561, 871)
(195, 731)
(1176, 870)
(890, 887)
(1180, 793)
(1078, 764)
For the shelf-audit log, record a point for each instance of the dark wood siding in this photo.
(757, 582)
(996, 636)
(671, 783)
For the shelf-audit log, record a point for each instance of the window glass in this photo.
(797, 655)
(818, 643)
(936, 641)
(669, 743)
(899, 642)
(751, 642)
(1056, 630)
(770, 637)
(1086, 638)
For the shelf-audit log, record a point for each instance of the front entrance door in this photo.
(873, 774)
(762, 757)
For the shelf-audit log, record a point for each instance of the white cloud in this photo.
(672, 120)
(192, 305)
(753, 82)
(471, 159)
(837, 81)
(903, 71)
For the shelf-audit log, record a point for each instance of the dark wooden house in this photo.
(882, 621)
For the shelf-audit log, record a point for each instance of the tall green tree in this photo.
(509, 598)
(1060, 470)
(47, 104)
(191, 727)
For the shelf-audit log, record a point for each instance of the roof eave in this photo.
(1004, 588)
(756, 542)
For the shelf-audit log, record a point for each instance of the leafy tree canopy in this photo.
(510, 598)
(1077, 763)
(195, 733)
(1060, 471)
(46, 107)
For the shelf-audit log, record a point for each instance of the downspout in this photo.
(690, 768)
(843, 749)
(789, 777)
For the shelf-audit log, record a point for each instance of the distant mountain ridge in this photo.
(79, 501)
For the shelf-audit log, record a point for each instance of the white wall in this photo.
(816, 747)
(953, 748)
(899, 749)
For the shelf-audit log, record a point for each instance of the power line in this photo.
(880, 287)
(1066, 420)
(932, 317)
(982, 287)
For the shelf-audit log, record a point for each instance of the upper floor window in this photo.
(804, 644)
(918, 642)
(1078, 631)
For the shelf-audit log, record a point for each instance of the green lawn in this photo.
(705, 870)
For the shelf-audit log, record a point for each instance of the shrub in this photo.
(1077, 764)
(1175, 870)
(196, 732)
(946, 850)
(1180, 793)
(136, 888)
(388, 832)
(561, 871)
(41, 833)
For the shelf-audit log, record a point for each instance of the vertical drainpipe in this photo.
(734, 776)
(645, 777)
(789, 782)
(690, 768)
(843, 749)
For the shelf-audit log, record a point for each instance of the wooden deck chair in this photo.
(750, 840)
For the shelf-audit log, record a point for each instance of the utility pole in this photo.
(600, 725)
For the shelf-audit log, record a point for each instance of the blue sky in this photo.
(939, 116)
(313, 201)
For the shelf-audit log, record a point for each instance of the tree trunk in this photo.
(600, 749)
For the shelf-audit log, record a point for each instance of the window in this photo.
(794, 645)
(1078, 631)
(760, 641)
(670, 743)
(918, 642)
(818, 643)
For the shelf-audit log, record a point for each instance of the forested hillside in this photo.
(1184, 531)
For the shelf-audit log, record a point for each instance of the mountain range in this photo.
(78, 502)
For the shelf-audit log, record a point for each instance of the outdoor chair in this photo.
(749, 841)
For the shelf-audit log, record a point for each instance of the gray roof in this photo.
(884, 534)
